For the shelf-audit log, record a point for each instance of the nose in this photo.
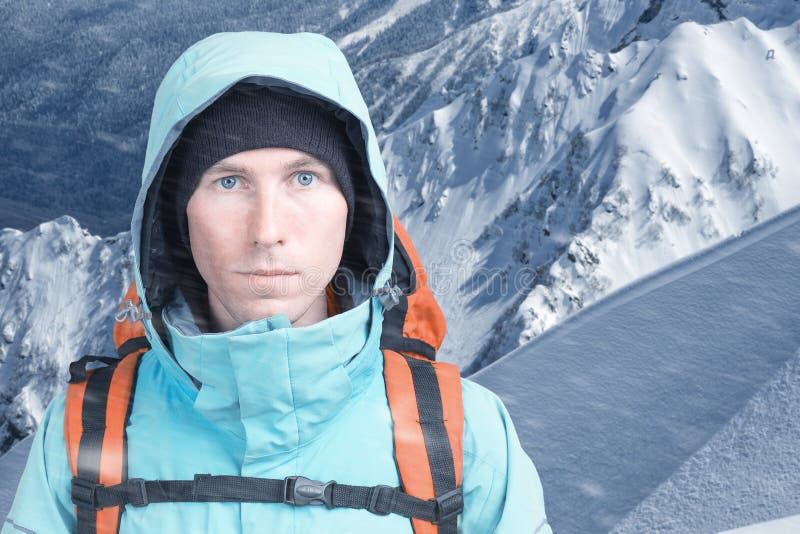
(265, 223)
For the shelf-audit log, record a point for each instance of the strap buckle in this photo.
(300, 491)
(143, 499)
(375, 500)
(84, 493)
(447, 506)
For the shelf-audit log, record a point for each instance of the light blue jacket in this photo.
(275, 400)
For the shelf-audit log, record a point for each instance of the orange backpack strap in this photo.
(98, 406)
(97, 411)
(415, 323)
(428, 415)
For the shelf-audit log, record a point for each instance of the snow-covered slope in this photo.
(610, 403)
(748, 470)
(59, 290)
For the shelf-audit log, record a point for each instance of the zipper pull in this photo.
(389, 295)
(132, 311)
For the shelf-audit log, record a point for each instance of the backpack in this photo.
(424, 397)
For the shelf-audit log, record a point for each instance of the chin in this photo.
(257, 312)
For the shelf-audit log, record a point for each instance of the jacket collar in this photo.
(276, 386)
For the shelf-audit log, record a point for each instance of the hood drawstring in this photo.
(389, 295)
(132, 311)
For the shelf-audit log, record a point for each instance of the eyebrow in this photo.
(304, 162)
(244, 169)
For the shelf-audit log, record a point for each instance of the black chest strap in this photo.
(294, 490)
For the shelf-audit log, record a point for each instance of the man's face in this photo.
(265, 210)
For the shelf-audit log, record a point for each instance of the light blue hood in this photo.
(306, 63)
(270, 384)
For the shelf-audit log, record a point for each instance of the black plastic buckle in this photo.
(143, 500)
(300, 491)
(84, 493)
(448, 506)
(375, 499)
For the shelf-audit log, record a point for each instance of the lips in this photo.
(271, 272)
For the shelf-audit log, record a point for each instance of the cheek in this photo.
(332, 209)
(212, 233)
(331, 216)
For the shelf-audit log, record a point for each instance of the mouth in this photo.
(271, 272)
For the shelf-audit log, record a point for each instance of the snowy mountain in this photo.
(566, 176)
(59, 290)
(673, 404)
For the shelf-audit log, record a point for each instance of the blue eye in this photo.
(228, 182)
(305, 178)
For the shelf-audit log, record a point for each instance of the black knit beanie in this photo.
(249, 117)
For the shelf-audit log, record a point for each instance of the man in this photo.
(263, 239)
